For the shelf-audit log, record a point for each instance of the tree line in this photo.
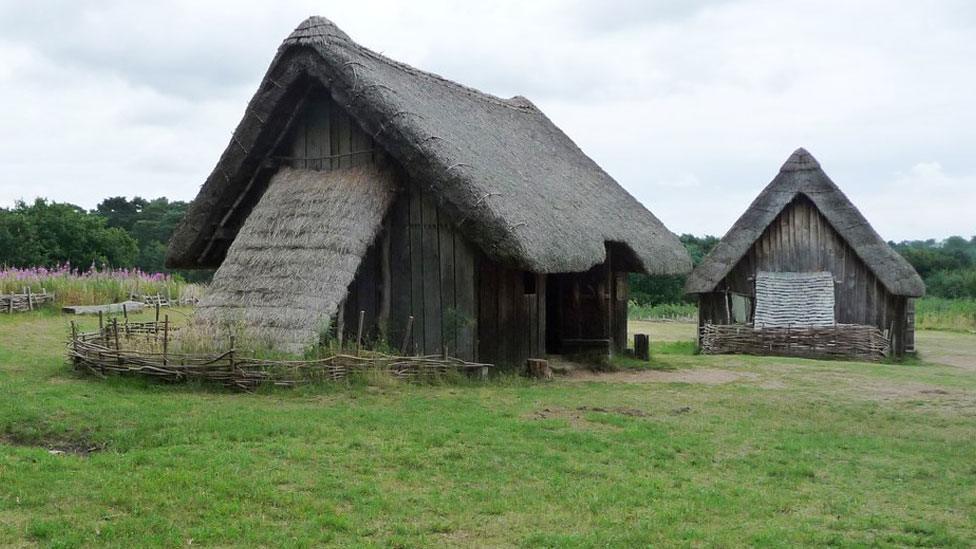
(948, 268)
(121, 232)
(118, 233)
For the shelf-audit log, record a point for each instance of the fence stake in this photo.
(406, 337)
(101, 323)
(359, 333)
(165, 337)
(30, 302)
(231, 352)
(125, 315)
(74, 337)
(118, 349)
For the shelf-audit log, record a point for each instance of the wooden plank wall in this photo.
(801, 239)
(324, 129)
(588, 310)
(433, 278)
(512, 314)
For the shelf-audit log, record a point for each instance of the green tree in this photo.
(664, 289)
(47, 233)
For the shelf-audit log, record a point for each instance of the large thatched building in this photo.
(802, 256)
(357, 183)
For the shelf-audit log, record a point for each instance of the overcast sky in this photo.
(691, 105)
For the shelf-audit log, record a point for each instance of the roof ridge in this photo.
(517, 103)
(800, 160)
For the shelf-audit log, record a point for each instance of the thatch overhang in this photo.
(274, 284)
(520, 189)
(802, 175)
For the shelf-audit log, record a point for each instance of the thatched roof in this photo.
(272, 283)
(801, 174)
(518, 186)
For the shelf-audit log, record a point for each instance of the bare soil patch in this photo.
(949, 348)
(78, 446)
(704, 376)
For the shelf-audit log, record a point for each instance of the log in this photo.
(128, 306)
(642, 347)
(538, 368)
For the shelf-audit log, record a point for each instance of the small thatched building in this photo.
(357, 183)
(802, 256)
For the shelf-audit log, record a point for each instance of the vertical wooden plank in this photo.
(620, 311)
(343, 135)
(400, 286)
(318, 132)
(532, 328)
(449, 314)
(359, 141)
(432, 276)
(488, 334)
(521, 332)
(415, 211)
(465, 297)
(541, 308)
(297, 149)
(367, 290)
(505, 315)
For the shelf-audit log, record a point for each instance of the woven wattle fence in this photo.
(25, 301)
(850, 341)
(114, 349)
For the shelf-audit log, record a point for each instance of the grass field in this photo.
(699, 450)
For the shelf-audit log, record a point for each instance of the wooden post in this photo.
(157, 312)
(642, 347)
(165, 337)
(101, 322)
(386, 298)
(406, 337)
(30, 301)
(444, 352)
(231, 354)
(538, 368)
(74, 337)
(341, 323)
(359, 333)
(118, 349)
(125, 315)
(10, 304)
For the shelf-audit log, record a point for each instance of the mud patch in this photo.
(632, 412)
(77, 446)
(577, 417)
(704, 376)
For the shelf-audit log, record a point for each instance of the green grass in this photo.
(665, 311)
(791, 452)
(936, 313)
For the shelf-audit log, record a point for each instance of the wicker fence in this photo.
(851, 341)
(25, 301)
(121, 348)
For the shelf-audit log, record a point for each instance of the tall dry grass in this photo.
(92, 287)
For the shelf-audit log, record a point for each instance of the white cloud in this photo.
(922, 202)
(692, 106)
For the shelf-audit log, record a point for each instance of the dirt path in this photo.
(705, 376)
(950, 348)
